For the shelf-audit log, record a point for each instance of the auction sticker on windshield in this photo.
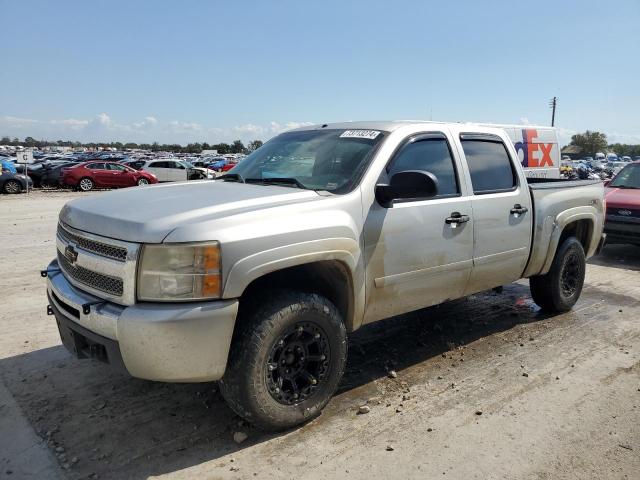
(370, 134)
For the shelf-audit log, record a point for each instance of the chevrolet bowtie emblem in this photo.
(71, 254)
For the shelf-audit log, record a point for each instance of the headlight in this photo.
(180, 272)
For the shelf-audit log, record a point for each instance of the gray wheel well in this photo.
(330, 278)
(581, 229)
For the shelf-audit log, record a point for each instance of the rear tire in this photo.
(287, 358)
(12, 186)
(558, 290)
(86, 184)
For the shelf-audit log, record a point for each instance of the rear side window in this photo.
(431, 155)
(489, 165)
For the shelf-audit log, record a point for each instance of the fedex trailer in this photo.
(537, 148)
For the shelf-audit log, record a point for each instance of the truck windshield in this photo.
(628, 177)
(331, 160)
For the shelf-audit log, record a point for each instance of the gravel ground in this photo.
(484, 387)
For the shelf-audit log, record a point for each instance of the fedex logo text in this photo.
(535, 154)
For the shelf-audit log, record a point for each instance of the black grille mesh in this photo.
(98, 281)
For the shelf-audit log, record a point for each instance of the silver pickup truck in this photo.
(256, 279)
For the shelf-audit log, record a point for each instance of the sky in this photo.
(186, 71)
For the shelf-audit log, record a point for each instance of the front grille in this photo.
(628, 212)
(99, 248)
(95, 280)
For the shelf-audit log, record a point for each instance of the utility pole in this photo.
(552, 104)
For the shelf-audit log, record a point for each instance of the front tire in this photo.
(142, 182)
(559, 289)
(86, 184)
(287, 358)
(12, 186)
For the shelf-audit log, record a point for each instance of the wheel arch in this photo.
(581, 224)
(332, 278)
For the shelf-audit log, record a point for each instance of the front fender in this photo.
(248, 269)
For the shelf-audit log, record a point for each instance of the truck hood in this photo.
(623, 198)
(149, 214)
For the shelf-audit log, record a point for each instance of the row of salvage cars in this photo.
(92, 174)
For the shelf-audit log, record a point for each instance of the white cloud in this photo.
(72, 123)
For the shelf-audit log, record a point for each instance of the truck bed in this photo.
(557, 202)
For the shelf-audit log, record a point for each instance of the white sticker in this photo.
(370, 134)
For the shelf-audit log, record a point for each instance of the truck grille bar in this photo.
(93, 246)
(104, 283)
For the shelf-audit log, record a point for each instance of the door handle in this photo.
(455, 219)
(518, 210)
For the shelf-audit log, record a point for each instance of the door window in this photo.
(115, 166)
(431, 155)
(96, 166)
(490, 167)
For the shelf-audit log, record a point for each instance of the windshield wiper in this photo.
(234, 177)
(276, 180)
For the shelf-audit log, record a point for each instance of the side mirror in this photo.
(416, 184)
(607, 182)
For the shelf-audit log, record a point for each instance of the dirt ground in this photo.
(487, 387)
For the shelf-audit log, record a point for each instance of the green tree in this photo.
(590, 142)
(238, 147)
(30, 142)
(5, 140)
(222, 148)
(254, 145)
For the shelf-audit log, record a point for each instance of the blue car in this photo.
(218, 163)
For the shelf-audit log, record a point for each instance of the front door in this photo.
(419, 252)
(121, 175)
(159, 170)
(501, 212)
(176, 171)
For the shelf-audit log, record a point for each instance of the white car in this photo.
(169, 170)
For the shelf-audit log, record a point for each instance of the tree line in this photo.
(591, 143)
(223, 148)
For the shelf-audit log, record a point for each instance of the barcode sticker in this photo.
(369, 134)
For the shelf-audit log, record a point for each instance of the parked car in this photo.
(168, 170)
(255, 279)
(228, 166)
(622, 224)
(52, 176)
(45, 174)
(14, 182)
(98, 174)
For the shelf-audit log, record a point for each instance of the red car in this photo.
(228, 166)
(622, 223)
(89, 175)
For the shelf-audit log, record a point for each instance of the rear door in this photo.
(502, 213)
(101, 176)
